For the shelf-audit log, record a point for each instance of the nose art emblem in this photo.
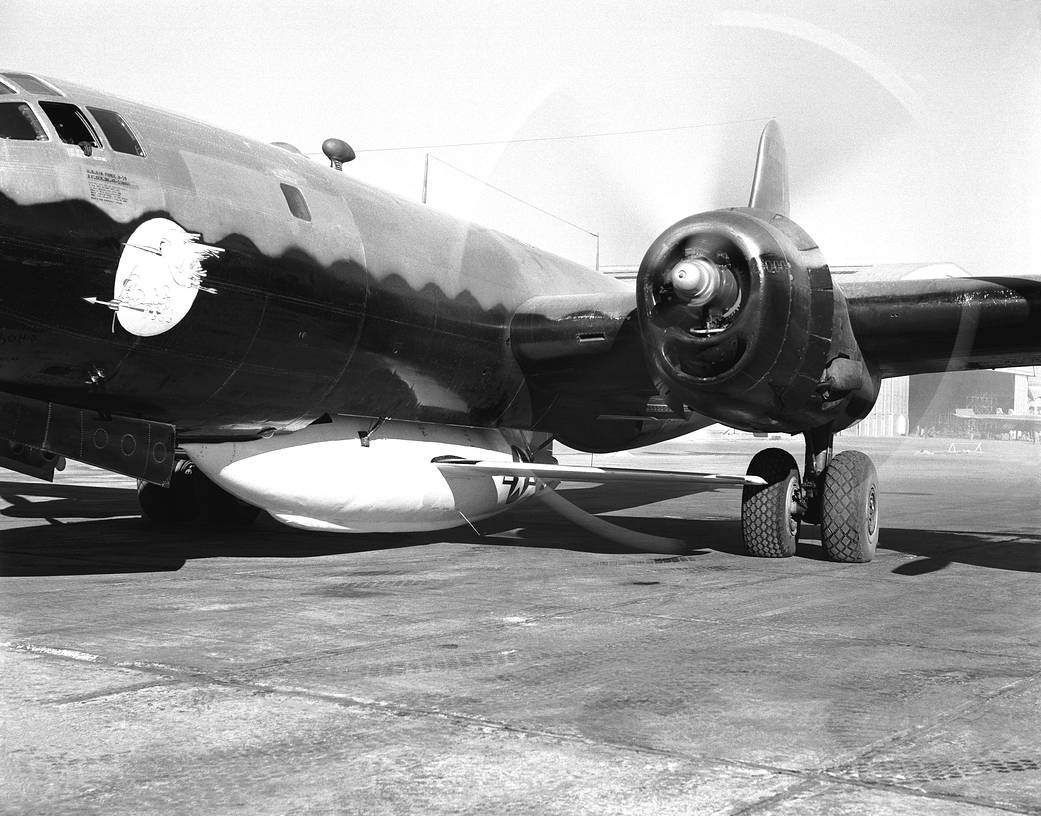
(159, 275)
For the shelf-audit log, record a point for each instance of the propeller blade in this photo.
(770, 182)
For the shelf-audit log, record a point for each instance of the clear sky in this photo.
(913, 128)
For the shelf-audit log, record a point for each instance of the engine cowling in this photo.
(741, 323)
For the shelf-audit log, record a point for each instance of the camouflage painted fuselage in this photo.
(359, 303)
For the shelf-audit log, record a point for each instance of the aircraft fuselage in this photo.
(329, 296)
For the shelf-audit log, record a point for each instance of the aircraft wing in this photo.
(946, 324)
(1010, 421)
(467, 467)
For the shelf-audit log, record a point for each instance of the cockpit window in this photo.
(33, 85)
(72, 126)
(5, 88)
(117, 131)
(17, 121)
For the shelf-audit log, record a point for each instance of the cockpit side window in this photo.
(17, 121)
(71, 124)
(5, 88)
(33, 85)
(117, 131)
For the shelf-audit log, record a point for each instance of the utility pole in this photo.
(426, 176)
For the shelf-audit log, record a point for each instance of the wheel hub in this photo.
(872, 511)
(792, 500)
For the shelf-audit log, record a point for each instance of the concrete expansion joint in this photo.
(847, 773)
(174, 674)
(924, 731)
(477, 722)
(177, 675)
(804, 781)
(920, 793)
(110, 692)
(461, 718)
(803, 786)
(820, 780)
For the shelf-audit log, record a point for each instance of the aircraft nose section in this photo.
(34, 220)
(53, 253)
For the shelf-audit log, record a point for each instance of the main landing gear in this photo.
(192, 498)
(838, 491)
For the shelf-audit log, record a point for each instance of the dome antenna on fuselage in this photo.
(338, 152)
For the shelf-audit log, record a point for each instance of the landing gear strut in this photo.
(838, 491)
(192, 498)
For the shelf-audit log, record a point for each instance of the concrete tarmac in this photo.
(532, 669)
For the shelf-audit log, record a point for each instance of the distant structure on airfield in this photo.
(890, 416)
(928, 404)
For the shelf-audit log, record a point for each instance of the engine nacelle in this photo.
(339, 477)
(741, 323)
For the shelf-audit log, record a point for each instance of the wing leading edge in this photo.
(468, 467)
(946, 324)
(553, 474)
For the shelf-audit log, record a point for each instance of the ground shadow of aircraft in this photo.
(935, 549)
(130, 545)
(59, 501)
(115, 539)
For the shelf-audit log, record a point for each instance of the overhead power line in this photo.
(479, 180)
(567, 137)
(511, 195)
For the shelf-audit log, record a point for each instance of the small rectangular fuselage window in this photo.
(295, 200)
(17, 121)
(117, 131)
(71, 124)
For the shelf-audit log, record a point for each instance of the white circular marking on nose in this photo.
(159, 276)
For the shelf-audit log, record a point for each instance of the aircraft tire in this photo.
(849, 508)
(218, 506)
(769, 526)
(171, 505)
(192, 498)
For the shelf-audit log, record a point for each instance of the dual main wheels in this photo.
(191, 498)
(771, 513)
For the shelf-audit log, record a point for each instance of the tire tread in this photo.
(841, 533)
(760, 505)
